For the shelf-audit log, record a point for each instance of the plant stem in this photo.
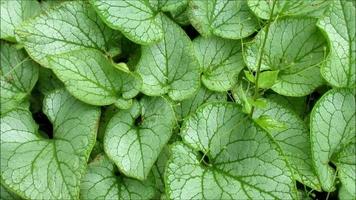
(259, 62)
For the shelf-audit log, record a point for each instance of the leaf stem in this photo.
(259, 62)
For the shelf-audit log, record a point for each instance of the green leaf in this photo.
(312, 8)
(40, 168)
(224, 18)
(103, 182)
(5, 194)
(225, 156)
(221, 61)
(267, 79)
(18, 75)
(48, 81)
(101, 84)
(296, 48)
(332, 126)
(170, 66)
(339, 27)
(13, 13)
(346, 165)
(344, 194)
(158, 170)
(65, 28)
(134, 138)
(190, 105)
(297, 104)
(137, 20)
(292, 135)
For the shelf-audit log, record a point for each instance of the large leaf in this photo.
(134, 138)
(91, 77)
(332, 124)
(158, 170)
(224, 18)
(188, 106)
(13, 13)
(226, 156)
(294, 140)
(40, 168)
(102, 181)
(294, 46)
(220, 60)
(135, 19)
(169, 66)
(339, 26)
(65, 28)
(18, 75)
(312, 8)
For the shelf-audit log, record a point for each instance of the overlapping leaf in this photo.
(293, 138)
(68, 27)
(170, 66)
(102, 181)
(188, 106)
(92, 78)
(221, 61)
(18, 75)
(295, 47)
(36, 167)
(13, 13)
(237, 160)
(339, 26)
(224, 18)
(312, 8)
(332, 124)
(134, 138)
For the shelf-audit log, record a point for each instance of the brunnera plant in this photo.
(178, 99)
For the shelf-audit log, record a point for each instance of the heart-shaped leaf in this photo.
(220, 60)
(226, 156)
(170, 66)
(134, 138)
(36, 167)
(102, 181)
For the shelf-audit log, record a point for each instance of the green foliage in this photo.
(177, 99)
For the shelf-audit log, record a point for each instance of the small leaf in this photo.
(134, 138)
(40, 168)
(102, 181)
(269, 124)
(267, 79)
(250, 77)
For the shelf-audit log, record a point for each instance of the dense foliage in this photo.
(178, 99)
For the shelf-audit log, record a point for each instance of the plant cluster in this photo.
(178, 99)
